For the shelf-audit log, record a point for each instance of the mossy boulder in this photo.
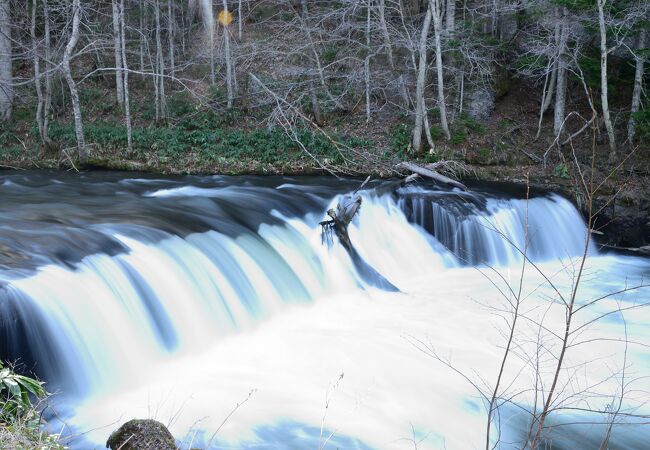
(142, 434)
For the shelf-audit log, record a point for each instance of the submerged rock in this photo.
(141, 434)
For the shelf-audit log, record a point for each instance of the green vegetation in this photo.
(20, 421)
(199, 139)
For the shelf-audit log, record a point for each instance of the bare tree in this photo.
(117, 43)
(72, 86)
(228, 56)
(43, 90)
(125, 65)
(6, 66)
(638, 84)
(437, 14)
(604, 50)
(420, 108)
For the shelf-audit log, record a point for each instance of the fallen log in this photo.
(428, 173)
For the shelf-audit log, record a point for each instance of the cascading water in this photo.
(141, 296)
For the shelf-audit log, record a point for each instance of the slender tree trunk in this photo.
(560, 88)
(450, 24)
(638, 86)
(72, 86)
(384, 31)
(142, 37)
(170, 36)
(47, 95)
(160, 71)
(119, 84)
(603, 78)
(436, 13)
(37, 76)
(240, 14)
(127, 101)
(6, 69)
(228, 56)
(547, 94)
(421, 83)
(367, 60)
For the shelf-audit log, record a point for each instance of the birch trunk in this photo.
(170, 36)
(125, 65)
(638, 86)
(421, 83)
(142, 12)
(547, 94)
(240, 13)
(37, 76)
(436, 12)
(560, 88)
(48, 75)
(6, 70)
(228, 56)
(117, 44)
(450, 24)
(603, 78)
(72, 86)
(367, 61)
(44, 96)
(161, 108)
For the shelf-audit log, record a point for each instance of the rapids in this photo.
(186, 298)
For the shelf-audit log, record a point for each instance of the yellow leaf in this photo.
(225, 18)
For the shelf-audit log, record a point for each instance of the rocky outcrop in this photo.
(141, 434)
(480, 102)
(625, 222)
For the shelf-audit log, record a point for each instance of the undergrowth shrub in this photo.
(210, 144)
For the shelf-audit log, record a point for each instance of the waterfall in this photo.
(108, 313)
(137, 272)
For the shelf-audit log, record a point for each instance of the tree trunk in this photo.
(436, 12)
(547, 94)
(450, 24)
(37, 76)
(560, 88)
(47, 100)
(127, 102)
(228, 56)
(603, 78)
(638, 85)
(67, 72)
(142, 37)
(6, 70)
(161, 110)
(367, 61)
(421, 83)
(117, 44)
(240, 13)
(170, 36)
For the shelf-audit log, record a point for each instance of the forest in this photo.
(351, 86)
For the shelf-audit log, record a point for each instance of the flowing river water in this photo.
(213, 305)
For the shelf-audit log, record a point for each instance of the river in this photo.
(213, 305)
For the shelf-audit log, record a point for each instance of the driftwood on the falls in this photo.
(342, 215)
(349, 205)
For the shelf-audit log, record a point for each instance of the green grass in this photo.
(210, 145)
